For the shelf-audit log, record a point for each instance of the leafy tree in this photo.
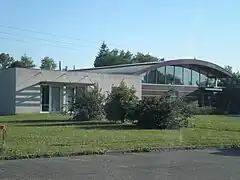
(228, 69)
(229, 82)
(162, 112)
(88, 104)
(120, 102)
(48, 63)
(25, 62)
(108, 57)
(15, 64)
(100, 59)
(117, 57)
(228, 100)
(141, 58)
(5, 60)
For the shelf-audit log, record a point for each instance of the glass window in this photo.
(211, 82)
(178, 75)
(169, 74)
(152, 78)
(70, 95)
(187, 76)
(203, 79)
(161, 75)
(144, 77)
(45, 97)
(195, 78)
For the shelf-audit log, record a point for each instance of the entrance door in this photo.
(45, 98)
(55, 103)
(70, 95)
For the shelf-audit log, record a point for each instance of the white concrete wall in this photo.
(7, 91)
(27, 84)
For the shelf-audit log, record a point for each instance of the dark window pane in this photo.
(211, 82)
(152, 78)
(187, 77)
(169, 74)
(161, 75)
(70, 95)
(144, 77)
(195, 78)
(178, 75)
(203, 79)
(45, 97)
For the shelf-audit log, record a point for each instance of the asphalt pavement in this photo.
(169, 165)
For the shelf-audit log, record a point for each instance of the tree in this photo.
(5, 60)
(162, 112)
(228, 82)
(88, 104)
(16, 64)
(117, 57)
(120, 102)
(108, 57)
(48, 63)
(228, 69)
(100, 59)
(141, 58)
(25, 62)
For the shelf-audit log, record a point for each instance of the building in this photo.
(33, 90)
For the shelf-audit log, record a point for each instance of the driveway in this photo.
(169, 165)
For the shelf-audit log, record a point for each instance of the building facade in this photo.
(34, 90)
(197, 80)
(38, 91)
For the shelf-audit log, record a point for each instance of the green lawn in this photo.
(51, 135)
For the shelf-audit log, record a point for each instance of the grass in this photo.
(37, 135)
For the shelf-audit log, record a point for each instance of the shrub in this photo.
(162, 112)
(88, 104)
(205, 110)
(120, 102)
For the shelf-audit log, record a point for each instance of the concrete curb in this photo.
(118, 152)
(166, 149)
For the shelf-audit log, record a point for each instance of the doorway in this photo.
(70, 95)
(45, 98)
(55, 99)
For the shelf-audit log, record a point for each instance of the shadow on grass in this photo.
(232, 115)
(110, 127)
(38, 121)
(68, 123)
(86, 125)
(219, 129)
(227, 152)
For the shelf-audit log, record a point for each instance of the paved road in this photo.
(173, 165)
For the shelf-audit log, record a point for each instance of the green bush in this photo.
(162, 112)
(205, 110)
(88, 104)
(120, 102)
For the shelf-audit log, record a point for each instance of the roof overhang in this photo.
(63, 83)
(204, 66)
(207, 68)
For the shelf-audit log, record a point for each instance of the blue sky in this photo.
(205, 29)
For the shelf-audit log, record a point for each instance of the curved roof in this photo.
(139, 68)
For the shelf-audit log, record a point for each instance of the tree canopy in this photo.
(228, 82)
(25, 62)
(48, 63)
(5, 60)
(107, 57)
(141, 58)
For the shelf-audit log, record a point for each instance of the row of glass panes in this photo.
(177, 75)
